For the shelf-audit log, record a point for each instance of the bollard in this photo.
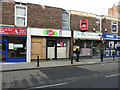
(101, 56)
(72, 60)
(113, 56)
(37, 61)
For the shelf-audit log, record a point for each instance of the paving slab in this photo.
(51, 63)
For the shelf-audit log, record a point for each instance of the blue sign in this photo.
(111, 36)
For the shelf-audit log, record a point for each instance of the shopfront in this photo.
(112, 42)
(48, 44)
(13, 44)
(88, 43)
(58, 48)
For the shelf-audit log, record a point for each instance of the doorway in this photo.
(51, 49)
(3, 50)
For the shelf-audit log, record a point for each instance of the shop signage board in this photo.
(12, 31)
(112, 37)
(84, 24)
(50, 32)
(86, 35)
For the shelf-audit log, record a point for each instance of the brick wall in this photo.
(113, 11)
(8, 13)
(75, 23)
(107, 25)
(44, 17)
(0, 12)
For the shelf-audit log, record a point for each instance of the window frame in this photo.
(116, 26)
(19, 16)
(66, 21)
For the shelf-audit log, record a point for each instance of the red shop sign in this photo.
(50, 32)
(13, 31)
(84, 24)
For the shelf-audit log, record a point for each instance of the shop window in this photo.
(62, 48)
(3, 46)
(20, 15)
(65, 20)
(114, 27)
(51, 43)
(106, 45)
(16, 47)
(88, 44)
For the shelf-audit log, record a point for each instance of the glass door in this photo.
(3, 50)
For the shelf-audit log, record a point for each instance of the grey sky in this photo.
(90, 6)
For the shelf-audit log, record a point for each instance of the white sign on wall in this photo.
(50, 32)
(11, 45)
(86, 35)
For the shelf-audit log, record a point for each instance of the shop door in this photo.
(51, 49)
(3, 50)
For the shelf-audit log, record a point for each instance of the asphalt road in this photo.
(87, 76)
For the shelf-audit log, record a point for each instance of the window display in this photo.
(16, 47)
(62, 48)
(110, 47)
(85, 47)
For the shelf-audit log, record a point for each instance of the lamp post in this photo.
(102, 41)
(71, 46)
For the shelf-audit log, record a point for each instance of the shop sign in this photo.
(12, 31)
(84, 24)
(50, 32)
(112, 37)
(86, 35)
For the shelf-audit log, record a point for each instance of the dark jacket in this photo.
(77, 52)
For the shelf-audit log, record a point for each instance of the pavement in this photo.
(7, 67)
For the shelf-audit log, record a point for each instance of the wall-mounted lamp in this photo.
(94, 29)
(105, 29)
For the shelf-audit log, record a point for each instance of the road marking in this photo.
(112, 75)
(95, 74)
(52, 85)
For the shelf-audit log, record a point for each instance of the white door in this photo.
(51, 49)
(51, 52)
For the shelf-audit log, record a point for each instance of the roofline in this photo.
(84, 12)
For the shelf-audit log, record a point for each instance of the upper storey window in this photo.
(114, 27)
(20, 15)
